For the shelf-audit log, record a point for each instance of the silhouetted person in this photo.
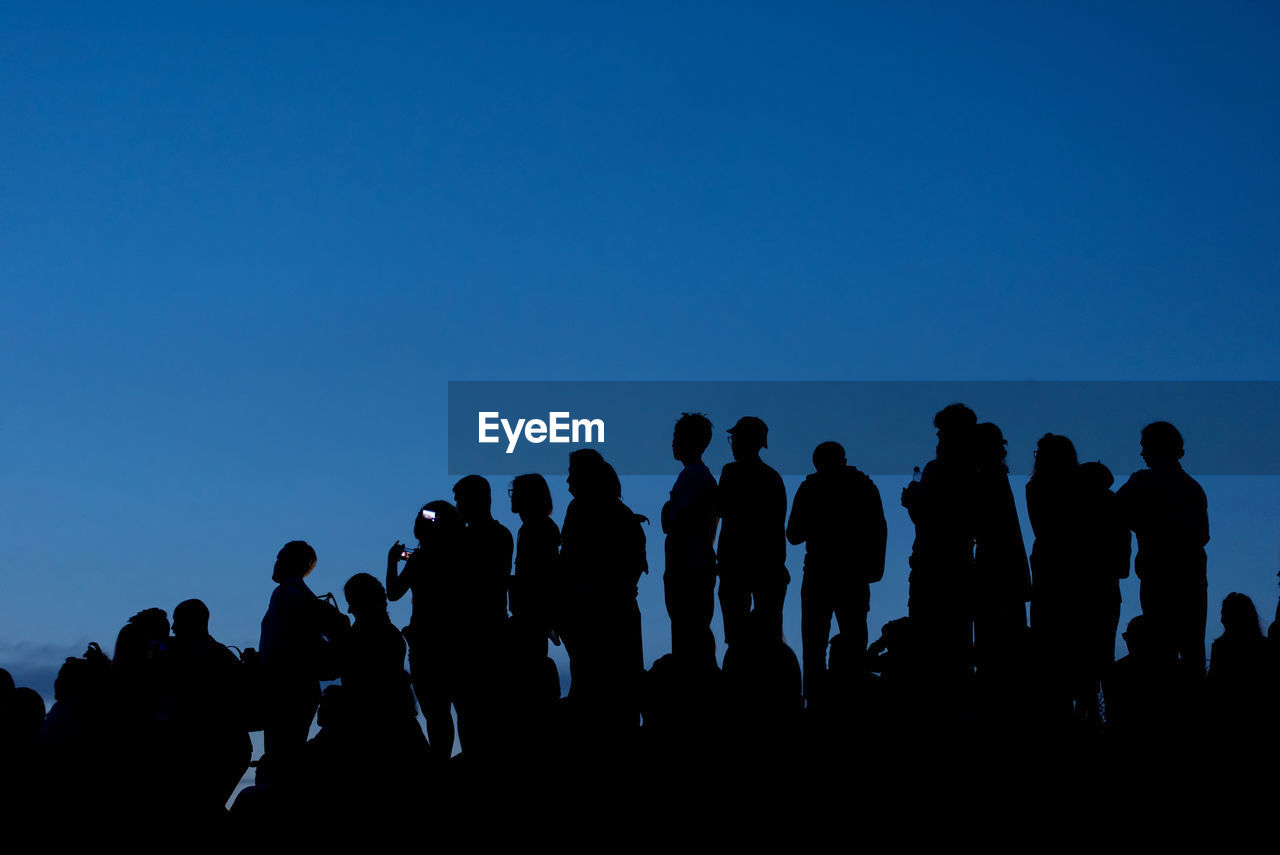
(1102, 547)
(685, 706)
(602, 556)
(487, 548)
(1241, 676)
(752, 554)
(298, 634)
(689, 522)
(763, 680)
(838, 516)
(940, 505)
(139, 702)
(210, 740)
(1002, 578)
(437, 648)
(1053, 507)
(1148, 695)
(536, 584)
(1166, 509)
(22, 794)
(378, 694)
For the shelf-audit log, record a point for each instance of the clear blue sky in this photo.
(243, 247)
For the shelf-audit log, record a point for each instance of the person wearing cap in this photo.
(752, 553)
(837, 514)
(1168, 513)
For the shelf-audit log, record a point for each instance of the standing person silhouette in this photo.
(1167, 511)
(298, 634)
(689, 522)
(602, 556)
(837, 514)
(1102, 548)
(535, 587)
(752, 554)
(431, 572)
(1053, 509)
(1002, 577)
(487, 548)
(940, 505)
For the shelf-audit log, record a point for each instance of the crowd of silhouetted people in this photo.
(1000, 674)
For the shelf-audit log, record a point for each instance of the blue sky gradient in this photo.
(242, 250)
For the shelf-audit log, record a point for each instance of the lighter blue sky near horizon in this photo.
(242, 250)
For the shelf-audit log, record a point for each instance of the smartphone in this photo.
(429, 516)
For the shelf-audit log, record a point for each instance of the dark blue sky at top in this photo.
(242, 250)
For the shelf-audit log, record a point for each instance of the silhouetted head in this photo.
(691, 437)
(141, 638)
(190, 619)
(1239, 617)
(1137, 636)
(1055, 457)
(6, 682)
(845, 659)
(758, 630)
(1095, 477)
(442, 527)
(23, 712)
(530, 496)
(990, 447)
(747, 437)
(591, 478)
(81, 679)
(828, 457)
(294, 561)
(955, 424)
(1161, 444)
(72, 681)
(473, 498)
(365, 596)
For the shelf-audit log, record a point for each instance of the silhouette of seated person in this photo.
(300, 632)
(602, 556)
(752, 504)
(837, 514)
(211, 744)
(77, 735)
(1168, 513)
(689, 523)
(376, 686)
(1150, 699)
(535, 585)
(940, 583)
(438, 650)
(684, 703)
(22, 789)
(763, 684)
(1241, 679)
(527, 705)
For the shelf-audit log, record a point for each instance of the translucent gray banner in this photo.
(886, 427)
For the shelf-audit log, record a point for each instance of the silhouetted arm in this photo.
(397, 584)
(797, 526)
(879, 533)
